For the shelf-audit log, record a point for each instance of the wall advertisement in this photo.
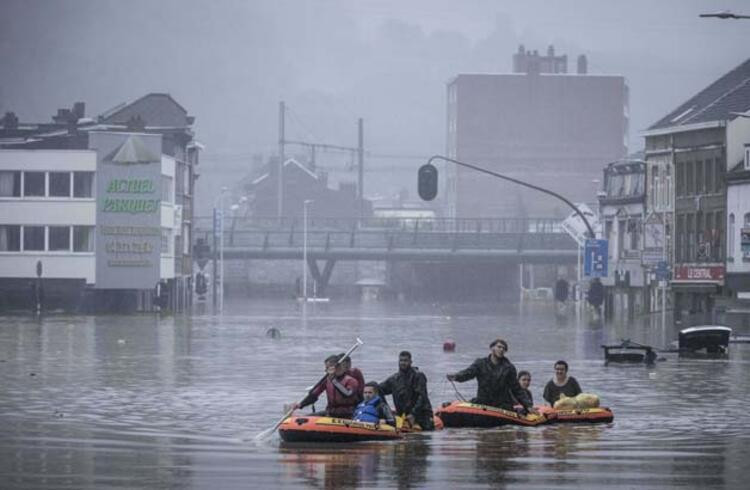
(128, 209)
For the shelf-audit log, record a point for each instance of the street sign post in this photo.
(596, 254)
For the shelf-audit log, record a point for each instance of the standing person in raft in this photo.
(561, 384)
(409, 389)
(497, 381)
(341, 391)
(354, 373)
(373, 408)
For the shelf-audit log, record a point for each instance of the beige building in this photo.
(553, 129)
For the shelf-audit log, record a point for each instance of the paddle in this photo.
(460, 396)
(289, 412)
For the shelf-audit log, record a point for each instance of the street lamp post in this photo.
(304, 248)
(219, 205)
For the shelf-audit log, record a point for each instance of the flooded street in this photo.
(175, 402)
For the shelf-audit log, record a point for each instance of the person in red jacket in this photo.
(354, 373)
(340, 388)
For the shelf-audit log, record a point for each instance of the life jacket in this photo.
(368, 411)
(338, 404)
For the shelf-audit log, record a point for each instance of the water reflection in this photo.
(149, 401)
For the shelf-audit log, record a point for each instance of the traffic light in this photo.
(596, 293)
(427, 182)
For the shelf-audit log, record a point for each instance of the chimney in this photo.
(79, 110)
(10, 120)
(582, 64)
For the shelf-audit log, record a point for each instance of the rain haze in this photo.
(231, 62)
(374, 244)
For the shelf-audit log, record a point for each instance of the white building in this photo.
(48, 215)
(738, 239)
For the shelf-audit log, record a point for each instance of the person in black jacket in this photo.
(497, 381)
(409, 390)
(561, 384)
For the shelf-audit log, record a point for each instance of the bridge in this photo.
(509, 241)
(505, 239)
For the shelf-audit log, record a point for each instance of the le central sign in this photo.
(695, 273)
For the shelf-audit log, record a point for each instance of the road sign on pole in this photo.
(595, 260)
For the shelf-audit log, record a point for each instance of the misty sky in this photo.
(230, 62)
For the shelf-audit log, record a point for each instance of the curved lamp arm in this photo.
(519, 182)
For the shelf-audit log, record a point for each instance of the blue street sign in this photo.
(595, 258)
(662, 271)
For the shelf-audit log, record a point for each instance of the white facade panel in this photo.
(167, 268)
(48, 212)
(738, 208)
(55, 265)
(57, 160)
(738, 135)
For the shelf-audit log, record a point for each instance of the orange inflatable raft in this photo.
(598, 415)
(329, 429)
(465, 414)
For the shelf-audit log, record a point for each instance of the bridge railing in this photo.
(453, 225)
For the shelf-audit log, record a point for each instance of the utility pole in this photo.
(361, 166)
(280, 175)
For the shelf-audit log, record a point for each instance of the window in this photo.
(33, 238)
(167, 195)
(689, 174)
(83, 238)
(680, 238)
(699, 181)
(83, 184)
(621, 238)
(10, 184)
(730, 238)
(186, 240)
(634, 234)
(10, 238)
(59, 238)
(59, 184)
(719, 180)
(33, 184)
(680, 178)
(718, 237)
(690, 237)
(165, 239)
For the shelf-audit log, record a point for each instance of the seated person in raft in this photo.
(524, 380)
(561, 384)
(374, 409)
(340, 388)
(497, 381)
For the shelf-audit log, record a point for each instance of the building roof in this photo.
(288, 162)
(730, 93)
(132, 151)
(154, 109)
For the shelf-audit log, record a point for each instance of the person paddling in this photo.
(561, 384)
(409, 389)
(355, 373)
(373, 408)
(497, 382)
(340, 388)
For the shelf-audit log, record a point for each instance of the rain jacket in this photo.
(409, 390)
(497, 384)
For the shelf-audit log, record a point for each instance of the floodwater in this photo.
(175, 402)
